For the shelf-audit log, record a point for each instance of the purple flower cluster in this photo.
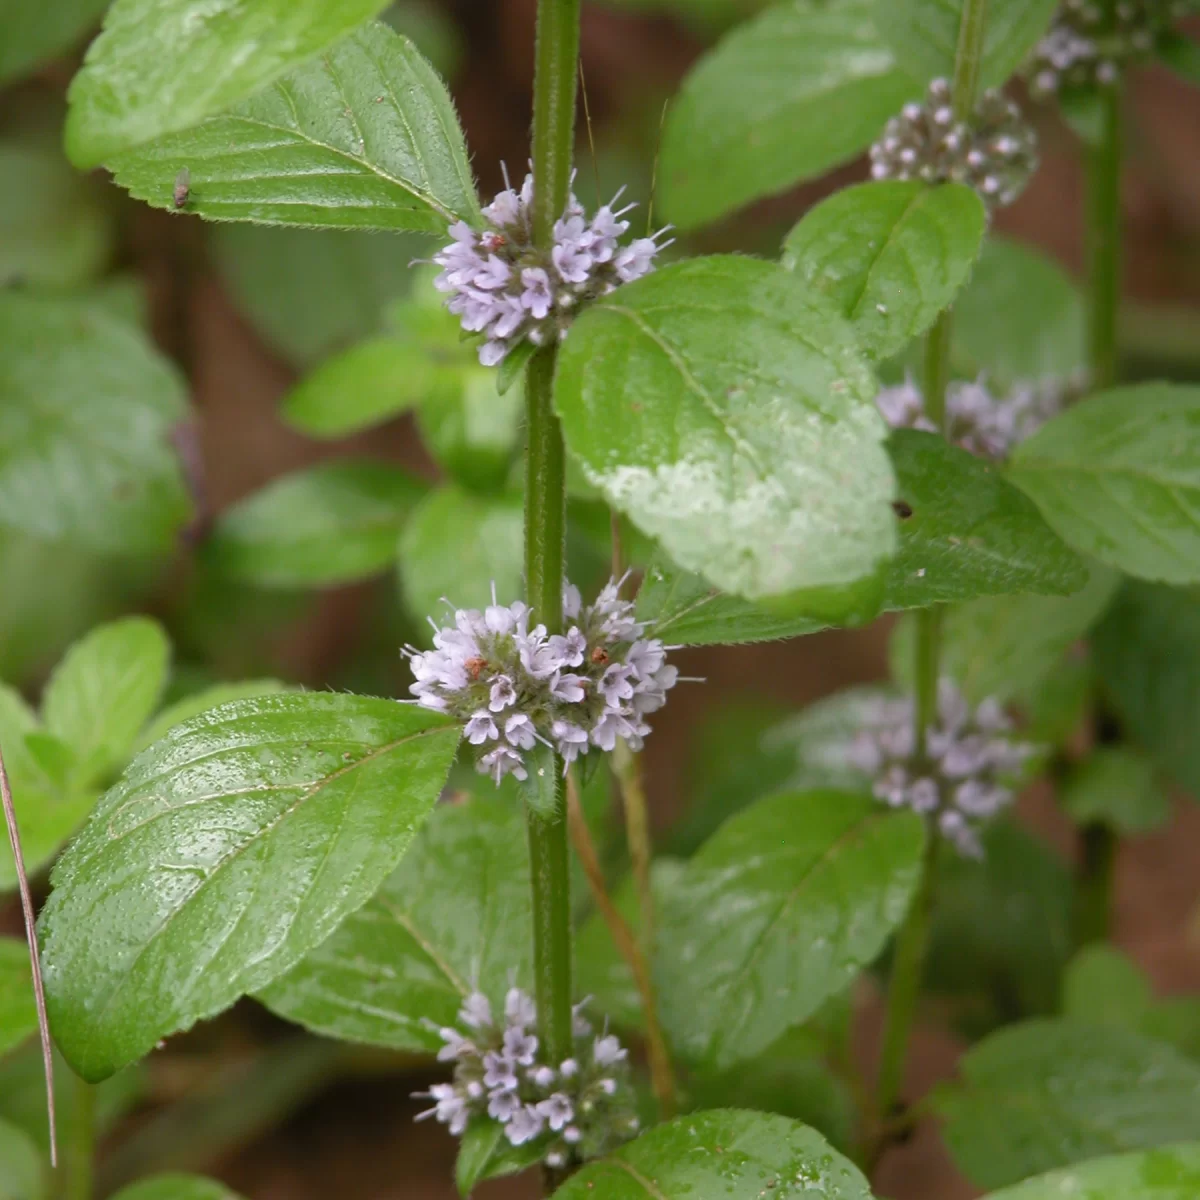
(960, 781)
(976, 418)
(504, 287)
(512, 686)
(580, 1108)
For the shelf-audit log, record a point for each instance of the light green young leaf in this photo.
(484, 1152)
(1116, 786)
(1102, 986)
(176, 1187)
(754, 115)
(454, 917)
(776, 913)
(890, 256)
(55, 231)
(164, 65)
(1049, 1093)
(734, 452)
(1172, 1173)
(721, 1152)
(104, 691)
(456, 545)
(1147, 653)
(34, 33)
(230, 849)
(924, 35)
(87, 407)
(200, 702)
(965, 532)
(365, 137)
(22, 1170)
(18, 1014)
(322, 526)
(313, 292)
(1118, 476)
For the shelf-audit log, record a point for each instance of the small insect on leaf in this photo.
(183, 187)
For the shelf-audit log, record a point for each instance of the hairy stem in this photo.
(75, 1173)
(557, 56)
(662, 1074)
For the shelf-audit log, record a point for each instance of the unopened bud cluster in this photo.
(512, 686)
(504, 287)
(1091, 41)
(577, 1109)
(995, 152)
(959, 782)
(978, 419)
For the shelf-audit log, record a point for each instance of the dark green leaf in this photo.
(18, 1015)
(754, 115)
(1147, 653)
(1116, 786)
(1181, 54)
(104, 691)
(1050, 1093)
(776, 913)
(689, 611)
(452, 918)
(1102, 986)
(34, 33)
(329, 524)
(196, 703)
(164, 65)
(363, 137)
(722, 1152)
(1118, 476)
(1172, 1173)
(456, 546)
(924, 35)
(890, 256)
(513, 366)
(22, 1172)
(87, 407)
(735, 452)
(485, 1153)
(230, 849)
(970, 533)
(176, 1187)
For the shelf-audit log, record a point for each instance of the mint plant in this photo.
(641, 449)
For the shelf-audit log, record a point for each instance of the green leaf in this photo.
(452, 918)
(1147, 653)
(163, 65)
(1020, 318)
(1172, 1173)
(753, 116)
(228, 851)
(55, 232)
(725, 1152)
(87, 406)
(970, 533)
(313, 292)
(326, 525)
(1118, 476)
(1117, 787)
(1102, 986)
(1181, 54)
(364, 137)
(18, 1014)
(687, 610)
(513, 366)
(34, 33)
(735, 453)
(456, 546)
(1004, 646)
(104, 691)
(485, 1153)
(200, 702)
(22, 1172)
(370, 383)
(924, 35)
(890, 256)
(176, 1187)
(1049, 1093)
(776, 913)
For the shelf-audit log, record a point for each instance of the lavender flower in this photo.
(503, 286)
(581, 1109)
(995, 152)
(979, 420)
(511, 686)
(959, 783)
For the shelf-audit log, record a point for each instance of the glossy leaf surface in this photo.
(1172, 1173)
(195, 703)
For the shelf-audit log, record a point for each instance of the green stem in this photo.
(937, 369)
(1104, 243)
(1094, 884)
(74, 1177)
(554, 87)
(968, 58)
